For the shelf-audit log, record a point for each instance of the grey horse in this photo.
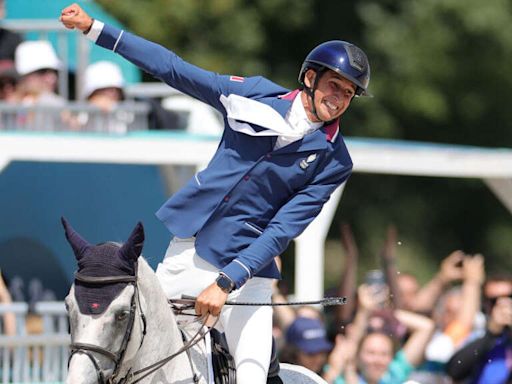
(122, 327)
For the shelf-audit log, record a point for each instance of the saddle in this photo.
(224, 368)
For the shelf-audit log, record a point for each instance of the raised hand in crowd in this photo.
(341, 359)
(348, 280)
(450, 271)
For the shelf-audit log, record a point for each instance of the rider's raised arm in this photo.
(153, 58)
(161, 62)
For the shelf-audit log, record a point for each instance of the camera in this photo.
(376, 281)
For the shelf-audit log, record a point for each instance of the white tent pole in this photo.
(309, 252)
(502, 188)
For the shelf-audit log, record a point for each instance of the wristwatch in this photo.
(225, 283)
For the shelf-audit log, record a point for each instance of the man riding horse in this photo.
(280, 157)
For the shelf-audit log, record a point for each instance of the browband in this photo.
(105, 279)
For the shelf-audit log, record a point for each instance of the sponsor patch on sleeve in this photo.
(238, 79)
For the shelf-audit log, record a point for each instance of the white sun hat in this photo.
(31, 56)
(102, 74)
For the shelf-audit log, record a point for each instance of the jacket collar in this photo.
(283, 103)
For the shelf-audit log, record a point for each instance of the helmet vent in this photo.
(356, 57)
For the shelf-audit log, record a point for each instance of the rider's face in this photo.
(332, 95)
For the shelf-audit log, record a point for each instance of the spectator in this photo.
(8, 81)
(8, 40)
(307, 344)
(103, 85)
(37, 65)
(455, 317)
(496, 286)
(9, 319)
(103, 88)
(375, 361)
(487, 359)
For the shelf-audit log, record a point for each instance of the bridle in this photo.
(115, 357)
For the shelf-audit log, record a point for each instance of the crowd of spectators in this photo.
(456, 328)
(30, 100)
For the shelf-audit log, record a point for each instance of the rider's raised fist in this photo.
(74, 16)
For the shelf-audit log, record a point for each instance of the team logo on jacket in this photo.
(238, 79)
(307, 161)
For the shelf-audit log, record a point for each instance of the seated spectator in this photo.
(103, 88)
(103, 85)
(8, 81)
(307, 344)
(37, 65)
(375, 361)
(488, 359)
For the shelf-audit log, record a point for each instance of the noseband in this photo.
(115, 357)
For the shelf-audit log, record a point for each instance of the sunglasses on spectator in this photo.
(492, 300)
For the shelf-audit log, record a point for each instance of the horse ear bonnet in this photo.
(103, 260)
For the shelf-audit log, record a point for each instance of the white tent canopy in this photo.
(493, 166)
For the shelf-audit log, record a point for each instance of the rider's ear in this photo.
(133, 246)
(74, 239)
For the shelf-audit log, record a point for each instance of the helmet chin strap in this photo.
(311, 93)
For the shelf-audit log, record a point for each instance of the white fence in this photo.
(35, 358)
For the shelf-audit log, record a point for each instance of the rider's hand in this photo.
(211, 300)
(75, 17)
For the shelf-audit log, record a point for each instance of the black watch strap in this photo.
(225, 283)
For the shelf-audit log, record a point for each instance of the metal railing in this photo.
(39, 358)
(74, 116)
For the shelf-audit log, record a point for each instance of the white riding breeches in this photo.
(248, 329)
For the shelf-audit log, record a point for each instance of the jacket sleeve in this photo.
(165, 65)
(289, 222)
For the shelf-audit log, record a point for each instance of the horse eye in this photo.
(122, 315)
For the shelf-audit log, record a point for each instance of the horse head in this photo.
(106, 311)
